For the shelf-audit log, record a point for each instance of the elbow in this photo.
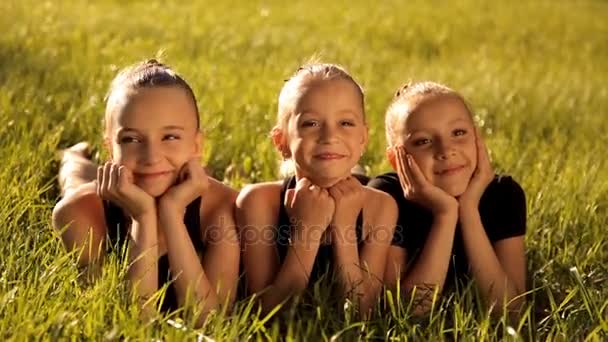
(421, 298)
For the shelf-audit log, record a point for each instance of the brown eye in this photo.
(459, 132)
(310, 123)
(171, 137)
(423, 141)
(347, 123)
(128, 140)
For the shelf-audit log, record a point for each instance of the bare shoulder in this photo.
(78, 204)
(80, 211)
(218, 204)
(219, 195)
(378, 202)
(379, 212)
(260, 195)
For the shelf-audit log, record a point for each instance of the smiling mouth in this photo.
(151, 175)
(329, 156)
(450, 171)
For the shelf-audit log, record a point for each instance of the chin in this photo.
(156, 190)
(454, 189)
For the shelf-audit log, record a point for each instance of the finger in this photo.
(335, 191)
(99, 180)
(289, 195)
(113, 182)
(183, 173)
(414, 171)
(314, 189)
(303, 183)
(105, 186)
(403, 168)
(125, 177)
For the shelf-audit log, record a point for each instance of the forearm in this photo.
(190, 278)
(487, 270)
(429, 271)
(431, 266)
(143, 257)
(294, 273)
(348, 267)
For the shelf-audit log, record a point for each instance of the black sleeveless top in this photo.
(117, 237)
(324, 260)
(502, 208)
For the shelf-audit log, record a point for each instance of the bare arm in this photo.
(361, 272)
(429, 272)
(500, 269)
(256, 216)
(79, 219)
(222, 252)
(190, 278)
(143, 258)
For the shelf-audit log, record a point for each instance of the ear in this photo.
(390, 155)
(365, 138)
(278, 139)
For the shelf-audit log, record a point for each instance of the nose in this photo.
(151, 153)
(444, 150)
(328, 133)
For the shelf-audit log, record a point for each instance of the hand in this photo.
(115, 183)
(481, 178)
(348, 195)
(192, 181)
(310, 206)
(418, 189)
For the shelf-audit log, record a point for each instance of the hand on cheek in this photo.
(115, 183)
(418, 189)
(481, 178)
(309, 207)
(348, 194)
(192, 182)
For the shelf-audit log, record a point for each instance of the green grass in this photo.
(536, 73)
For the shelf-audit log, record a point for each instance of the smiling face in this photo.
(326, 134)
(440, 136)
(154, 133)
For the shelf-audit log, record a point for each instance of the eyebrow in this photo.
(458, 119)
(174, 127)
(341, 111)
(169, 127)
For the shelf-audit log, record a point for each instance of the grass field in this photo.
(536, 73)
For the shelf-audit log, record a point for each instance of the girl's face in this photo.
(440, 136)
(327, 134)
(154, 134)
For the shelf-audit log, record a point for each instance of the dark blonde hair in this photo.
(305, 77)
(147, 74)
(408, 98)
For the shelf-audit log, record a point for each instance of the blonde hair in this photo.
(148, 74)
(304, 78)
(408, 99)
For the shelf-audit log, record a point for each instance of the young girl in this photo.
(293, 231)
(153, 195)
(456, 218)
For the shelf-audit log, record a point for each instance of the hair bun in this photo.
(153, 62)
(402, 89)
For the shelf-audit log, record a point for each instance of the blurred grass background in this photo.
(536, 73)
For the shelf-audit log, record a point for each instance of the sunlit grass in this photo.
(536, 73)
